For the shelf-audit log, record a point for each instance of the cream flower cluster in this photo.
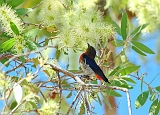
(147, 11)
(7, 15)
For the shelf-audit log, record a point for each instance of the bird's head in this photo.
(91, 52)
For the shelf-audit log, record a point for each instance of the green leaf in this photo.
(124, 26)
(129, 80)
(152, 96)
(21, 11)
(99, 100)
(118, 43)
(113, 93)
(1, 2)
(82, 109)
(15, 3)
(117, 28)
(14, 28)
(120, 83)
(22, 59)
(138, 51)
(154, 108)
(106, 101)
(158, 88)
(32, 33)
(69, 95)
(116, 69)
(33, 104)
(142, 47)
(142, 83)
(31, 45)
(13, 105)
(142, 98)
(8, 44)
(138, 29)
(128, 70)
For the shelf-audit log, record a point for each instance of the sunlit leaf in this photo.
(33, 104)
(118, 43)
(124, 26)
(128, 70)
(155, 106)
(119, 83)
(141, 99)
(129, 80)
(117, 28)
(32, 33)
(152, 96)
(138, 29)
(142, 47)
(113, 93)
(138, 51)
(8, 44)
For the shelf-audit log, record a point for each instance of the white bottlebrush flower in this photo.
(50, 14)
(8, 15)
(147, 11)
(49, 108)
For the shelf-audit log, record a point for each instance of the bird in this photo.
(89, 66)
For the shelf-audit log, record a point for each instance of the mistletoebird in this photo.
(89, 66)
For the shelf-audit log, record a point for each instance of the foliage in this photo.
(33, 82)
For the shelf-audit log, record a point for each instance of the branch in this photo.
(60, 93)
(54, 67)
(129, 103)
(78, 94)
(86, 102)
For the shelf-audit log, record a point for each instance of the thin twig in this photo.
(78, 94)
(86, 102)
(129, 103)
(60, 93)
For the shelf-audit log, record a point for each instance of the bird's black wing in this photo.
(93, 65)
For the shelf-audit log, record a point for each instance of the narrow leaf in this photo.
(118, 43)
(117, 28)
(142, 47)
(124, 26)
(158, 88)
(32, 33)
(15, 3)
(14, 28)
(82, 109)
(138, 51)
(114, 93)
(153, 107)
(142, 83)
(99, 100)
(129, 80)
(152, 97)
(128, 70)
(138, 29)
(106, 101)
(8, 44)
(13, 105)
(33, 104)
(69, 95)
(142, 98)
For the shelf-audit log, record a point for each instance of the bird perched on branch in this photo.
(89, 66)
